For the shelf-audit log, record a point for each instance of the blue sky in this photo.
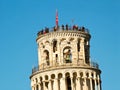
(20, 20)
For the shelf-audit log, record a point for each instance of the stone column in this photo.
(95, 84)
(63, 84)
(56, 84)
(91, 84)
(85, 84)
(44, 88)
(74, 55)
(78, 84)
(98, 86)
(50, 85)
(32, 87)
(82, 51)
(39, 86)
(99, 83)
(71, 82)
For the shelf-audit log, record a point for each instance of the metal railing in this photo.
(62, 28)
(46, 67)
(94, 64)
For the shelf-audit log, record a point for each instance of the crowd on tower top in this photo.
(62, 27)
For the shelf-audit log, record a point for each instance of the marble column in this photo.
(56, 84)
(50, 85)
(99, 85)
(32, 87)
(95, 84)
(44, 88)
(39, 86)
(63, 84)
(71, 83)
(78, 84)
(85, 84)
(91, 84)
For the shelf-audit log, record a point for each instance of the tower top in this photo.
(64, 60)
(64, 28)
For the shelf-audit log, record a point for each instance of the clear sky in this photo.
(20, 20)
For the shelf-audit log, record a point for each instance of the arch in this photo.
(81, 74)
(46, 57)
(41, 78)
(67, 74)
(87, 74)
(74, 74)
(71, 39)
(63, 40)
(53, 76)
(74, 80)
(46, 77)
(47, 42)
(36, 80)
(60, 75)
(41, 83)
(42, 45)
(67, 55)
(92, 75)
(68, 81)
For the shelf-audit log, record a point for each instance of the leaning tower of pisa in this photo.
(64, 60)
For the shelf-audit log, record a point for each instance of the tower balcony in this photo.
(62, 28)
(92, 64)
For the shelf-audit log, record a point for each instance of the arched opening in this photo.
(86, 51)
(46, 77)
(54, 45)
(46, 57)
(93, 84)
(53, 76)
(59, 81)
(41, 83)
(78, 45)
(67, 55)
(68, 81)
(52, 81)
(36, 80)
(46, 83)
